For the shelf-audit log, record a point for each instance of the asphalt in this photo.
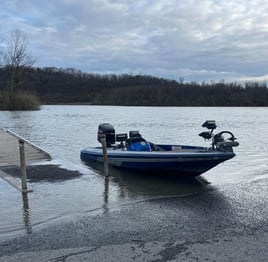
(227, 223)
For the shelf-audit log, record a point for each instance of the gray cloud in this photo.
(198, 40)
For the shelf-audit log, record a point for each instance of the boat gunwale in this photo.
(115, 153)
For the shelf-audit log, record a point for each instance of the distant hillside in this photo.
(54, 86)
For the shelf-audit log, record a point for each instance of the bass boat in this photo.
(131, 151)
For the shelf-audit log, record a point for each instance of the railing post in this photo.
(23, 166)
(105, 156)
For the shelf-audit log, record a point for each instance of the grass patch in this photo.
(19, 101)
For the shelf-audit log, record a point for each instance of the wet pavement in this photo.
(224, 223)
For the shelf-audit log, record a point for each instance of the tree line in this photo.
(55, 85)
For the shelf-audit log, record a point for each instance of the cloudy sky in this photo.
(199, 40)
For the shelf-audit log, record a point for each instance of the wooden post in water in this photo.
(105, 156)
(23, 167)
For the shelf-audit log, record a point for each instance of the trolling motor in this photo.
(219, 142)
(224, 144)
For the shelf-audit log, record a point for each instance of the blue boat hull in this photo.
(190, 161)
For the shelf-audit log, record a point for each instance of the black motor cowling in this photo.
(108, 131)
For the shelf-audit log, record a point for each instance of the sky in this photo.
(191, 40)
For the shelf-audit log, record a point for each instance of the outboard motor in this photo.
(108, 131)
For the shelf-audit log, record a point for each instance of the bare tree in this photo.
(15, 56)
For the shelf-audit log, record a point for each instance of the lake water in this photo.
(65, 130)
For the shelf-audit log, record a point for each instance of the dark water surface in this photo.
(65, 130)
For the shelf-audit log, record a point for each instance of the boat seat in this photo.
(137, 144)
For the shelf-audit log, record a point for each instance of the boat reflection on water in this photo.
(147, 185)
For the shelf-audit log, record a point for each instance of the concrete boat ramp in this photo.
(17, 151)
